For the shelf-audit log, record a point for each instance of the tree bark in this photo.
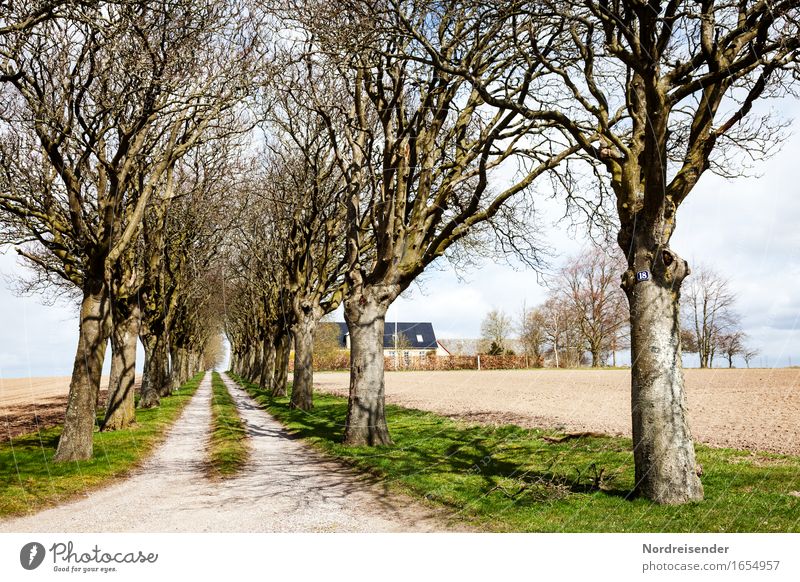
(175, 363)
(153, 375)
(666, 469)
(165, 387)
(280, 380)
(190, 366)
(366, 417)
(268, 369)
(303, 379)
(184, 368)
(258, 363)
(596, 357)
(120, 410)
(76, 441)
(250, 370)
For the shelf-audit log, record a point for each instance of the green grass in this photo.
(31, 481)
(509, 479)
(228, 449)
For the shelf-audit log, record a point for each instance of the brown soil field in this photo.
(28, 404)
(757, 409)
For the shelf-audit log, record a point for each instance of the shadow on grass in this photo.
(428, 444)
(507, 478)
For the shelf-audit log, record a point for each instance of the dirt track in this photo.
(743, 409)
(285, 487)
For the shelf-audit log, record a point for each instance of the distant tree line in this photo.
(585, 313)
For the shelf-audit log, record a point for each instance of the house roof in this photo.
(418, 335)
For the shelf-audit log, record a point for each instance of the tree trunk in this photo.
(175, 363)
(303, 379)
(235, 359)
(165, 389)
(281, 378)
(258, 363)
(596, 357)
(250, 360)
(76, 441)
(268, 369)
(666, 469)
(120, 411)
(153, 375)
(366, 418)
(187, 365)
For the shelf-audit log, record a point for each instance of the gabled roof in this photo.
(418, 335)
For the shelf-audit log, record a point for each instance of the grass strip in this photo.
(30, 481)
(508, 478)
(228, 448)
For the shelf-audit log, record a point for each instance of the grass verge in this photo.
(508, 478)
(31, 481)
(228, 449)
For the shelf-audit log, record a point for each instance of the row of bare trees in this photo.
(109, 115)
(711, 324)
(625, 102)
(389, 135)
(586, 313)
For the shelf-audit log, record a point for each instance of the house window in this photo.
(419, 337)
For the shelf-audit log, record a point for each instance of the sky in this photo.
(747, 229)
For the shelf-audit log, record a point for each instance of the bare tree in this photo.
(305, 191)
(748, 354)
(258, 314)
(707, 302)
(589, 284)
(731, 344)
(326, 340)
(562, 332)
(532, 334)
(23, 17)
(418, 147)
(84, 111)
(655, 94)
(496, 328)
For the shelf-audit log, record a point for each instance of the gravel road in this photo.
(286, 487)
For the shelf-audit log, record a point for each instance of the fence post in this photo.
(479, 362)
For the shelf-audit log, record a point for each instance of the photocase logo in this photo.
(31, 555)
